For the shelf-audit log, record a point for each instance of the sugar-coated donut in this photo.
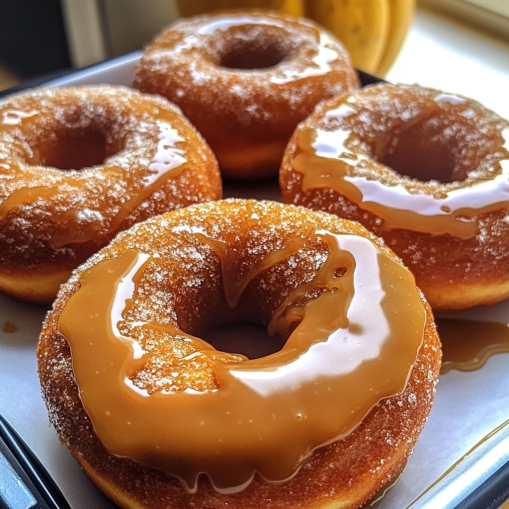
(245, 80)
(77, 165)
(425, 170)
(160, 419)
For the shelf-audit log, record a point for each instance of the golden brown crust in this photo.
(345, 473)
(51, 219)
(38, 285)
(247, 115)
(453, 272)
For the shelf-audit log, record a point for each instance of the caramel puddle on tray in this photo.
(467, 345)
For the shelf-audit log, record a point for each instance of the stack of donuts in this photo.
(384, 187)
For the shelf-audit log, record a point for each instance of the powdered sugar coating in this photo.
(154, 162)
(294, 65)
(368, 458)
(453, 272)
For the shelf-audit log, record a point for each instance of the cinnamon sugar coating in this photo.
(245, 79)
(423, 169)
(78, 165)
(348, 471)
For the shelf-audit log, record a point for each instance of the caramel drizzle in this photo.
(168, 162)
(26, 195)
(324, 56)
(66, 219)
(268, 414)
(233, 286)
(12, 117)
(326, 160)
(320, 57)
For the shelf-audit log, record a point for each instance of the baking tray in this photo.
(460, 460)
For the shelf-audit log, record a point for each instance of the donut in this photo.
(245, 80)
(77, 165)
(426, 171)
(158, 418)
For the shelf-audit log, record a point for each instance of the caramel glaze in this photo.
(354, 329)
(77, 165)
(467, 344)
(182, 286)
(426, 171)
(340, 159)
(167, 161)
(245, 80)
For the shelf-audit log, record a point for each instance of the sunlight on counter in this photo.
(444, 53)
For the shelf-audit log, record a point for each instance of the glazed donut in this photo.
(425, 170)
(77, 165)
(178, 424)
(245, 80)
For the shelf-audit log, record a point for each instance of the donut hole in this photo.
(424, 152)
(249, 339)
(74, 149)
(254, 50)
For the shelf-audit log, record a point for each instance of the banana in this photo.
(361, 25)
(192, 7)
(292, 7)
(400, 18)
(188, 8)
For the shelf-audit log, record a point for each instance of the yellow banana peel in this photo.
(361, 25)
(193, 7)
(400, 19)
